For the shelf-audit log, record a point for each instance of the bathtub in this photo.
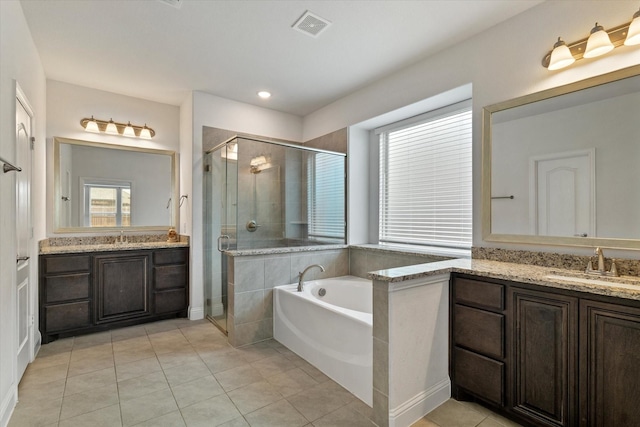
(333, 332)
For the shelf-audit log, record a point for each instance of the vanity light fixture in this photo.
(633, 36)
(115, 128)
(599, 42)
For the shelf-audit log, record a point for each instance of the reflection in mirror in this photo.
(103, 186)
(564, 164)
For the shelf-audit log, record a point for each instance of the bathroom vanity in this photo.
(95, 290)
(550, 357)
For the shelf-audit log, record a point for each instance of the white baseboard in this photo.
(6, 406)
(421, 404)
(196, 313)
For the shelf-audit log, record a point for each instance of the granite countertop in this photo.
(523, 273)
(283, 250)
(106, 247)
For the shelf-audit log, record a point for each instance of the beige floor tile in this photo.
(84, 382)
(187, 372)
(344, 417)
(142, 385)
(92, 340)
(40, 392)
(503, 421)
(256, 352)
(122, 357)
(127, 333)
(172, 419)
(56, 359)
(237, 422)
(454, 414)
(362, 408)
(196, 391)
(280, 414)
(489, 422)
(234, 378)
(211, 412)
(223, 362)
(133, 342)
(182, 356)
(55, 347)
(89, 401)
(273, 365)
(156, 328)
(424, 422)
(105, 417)
(95, 350)
(83, 365)
(147, 407)
(320, 400)
(254, 396)
(313, 372)
(44, 375)
(126, 371)
(292, 382)
(36, 414)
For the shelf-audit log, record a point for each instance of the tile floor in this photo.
(183, 373)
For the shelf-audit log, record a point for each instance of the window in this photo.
(107, 204)
(325, 197)
(425, 179)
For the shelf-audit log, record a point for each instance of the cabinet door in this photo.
(122, 286)
(544, 357)
(609, 364)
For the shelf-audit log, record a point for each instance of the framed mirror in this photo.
(104, 187)
(561, 166)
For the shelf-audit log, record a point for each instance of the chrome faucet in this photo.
(301, 275)
(601, 270)
(122, 240)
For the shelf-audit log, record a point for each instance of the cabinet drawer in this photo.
(66, 264)
(479, 330)
(479, 375)
(170, 301)
(170, 276)
(478, 293)
(68, 316)
(67, 287)
(171, 256)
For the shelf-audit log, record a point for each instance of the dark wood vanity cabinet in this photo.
(568, 358)
(81, 293)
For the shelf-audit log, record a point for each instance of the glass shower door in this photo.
(220, 176)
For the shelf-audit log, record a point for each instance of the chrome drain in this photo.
(322, 292)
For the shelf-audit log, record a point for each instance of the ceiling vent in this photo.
(311, 24)
(175, 3)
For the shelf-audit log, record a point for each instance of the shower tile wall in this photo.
(251, 282)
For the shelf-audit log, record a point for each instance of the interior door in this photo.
(563, 194)
(23, 236)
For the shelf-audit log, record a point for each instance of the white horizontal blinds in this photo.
(425, 179)
(325, 204)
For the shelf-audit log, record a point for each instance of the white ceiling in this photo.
(232, 49)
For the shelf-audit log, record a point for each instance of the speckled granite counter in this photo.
(68, 245)
(522, 273)
(284, 250)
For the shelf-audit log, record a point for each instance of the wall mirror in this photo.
(561, 166)
(105, 187)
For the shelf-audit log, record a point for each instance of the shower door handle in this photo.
(224, 236)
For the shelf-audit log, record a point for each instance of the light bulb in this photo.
(633, 33)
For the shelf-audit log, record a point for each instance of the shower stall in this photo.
(266, 194)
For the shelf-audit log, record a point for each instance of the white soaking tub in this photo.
(333, 331)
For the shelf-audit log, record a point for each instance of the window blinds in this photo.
(325, 201)
(426, 181)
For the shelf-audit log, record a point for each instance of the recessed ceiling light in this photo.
(264, 94)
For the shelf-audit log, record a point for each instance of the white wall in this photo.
(68, 104)
(501, 63)
(19, 61)
(213, 111)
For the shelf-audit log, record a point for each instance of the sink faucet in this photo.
(601, 270)
(301, 275)
(122, 241)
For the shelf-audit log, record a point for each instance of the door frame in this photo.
(590, 153)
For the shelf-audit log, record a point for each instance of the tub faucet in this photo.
(301, 275)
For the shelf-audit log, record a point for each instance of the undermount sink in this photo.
(617, 282)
